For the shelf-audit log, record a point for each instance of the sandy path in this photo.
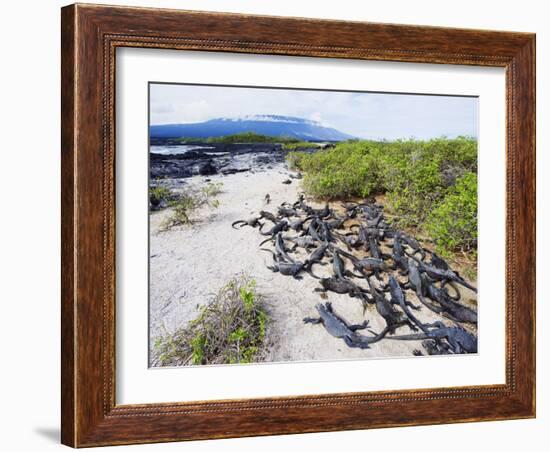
(190, 263)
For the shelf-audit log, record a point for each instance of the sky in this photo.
(363, 115)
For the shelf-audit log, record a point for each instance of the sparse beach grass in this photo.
(185, 203)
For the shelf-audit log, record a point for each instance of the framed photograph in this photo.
(281, 225)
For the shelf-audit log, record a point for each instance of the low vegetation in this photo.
(184, 204)
(159, 196)
(250, 137)
(453, 222)
(429, 185)
(230, 329)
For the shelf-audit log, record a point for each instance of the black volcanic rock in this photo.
(207, 169)
(217, 159)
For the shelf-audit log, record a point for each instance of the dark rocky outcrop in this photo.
(215, 158)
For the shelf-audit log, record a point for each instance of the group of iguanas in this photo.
(352, 242)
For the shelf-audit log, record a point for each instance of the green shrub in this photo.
(453, 222)
(186, 203)
(229, 329)
(348, 169)
(159, 195)
(415, 175)
(293, 146)
(251, 137)
(211, 190)
(182, 209)
(243, 137)
(295, 160)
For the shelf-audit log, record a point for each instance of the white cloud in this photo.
(373, 115)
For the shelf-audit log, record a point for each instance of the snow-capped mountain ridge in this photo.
(275, 118)
(266, 124)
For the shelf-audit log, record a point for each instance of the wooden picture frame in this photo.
(90, 36)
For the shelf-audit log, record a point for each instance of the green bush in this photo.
(415, 175)
(182, 210)
(293, 146)
(295, 160)
(230, 329)
(348, 169)
(186, 203)
(453, 222)
(159, 195)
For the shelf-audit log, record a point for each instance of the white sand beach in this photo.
(190, 263)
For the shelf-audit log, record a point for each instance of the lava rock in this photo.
(207, 169)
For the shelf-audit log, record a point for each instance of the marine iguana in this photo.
(285, 268)
(364, 232)
(413, 244)
(370, 211)
(342, 286)
(268, 216)
(437, 262)
(324, 231)
(445, 275)
(373, 247)
(286, 212)
(374, 222)
(313, 232)
(337, 223)
(252, 222)
(367, 264)
(339, 328)
(460, 340)
(297, 176)
(417, 283)
(303, 242)
(297, 225)
(316, 257)
(338, 265)
(398, 257)
(394, 319)
(280, 247)
(398, 297)
(348, 239)
(453, 310)
(278, 227)
(324, 212)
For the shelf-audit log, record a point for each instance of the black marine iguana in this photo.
(445, 275)
(302, 242)
(342, 286)
(339, 328)
(419, 285)
(316, 257)
(285, 268)
(398, 297)
(278, 227)
(268, 216)
(369, 265)
(453, 310)
(252, 222)
(460, 340)
(413, 244)
(280, 247)
(394, 319)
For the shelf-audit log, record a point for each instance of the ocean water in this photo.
(178, 149)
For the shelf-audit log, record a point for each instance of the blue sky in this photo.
(364, 115)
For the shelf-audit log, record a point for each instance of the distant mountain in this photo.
(273, 125)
